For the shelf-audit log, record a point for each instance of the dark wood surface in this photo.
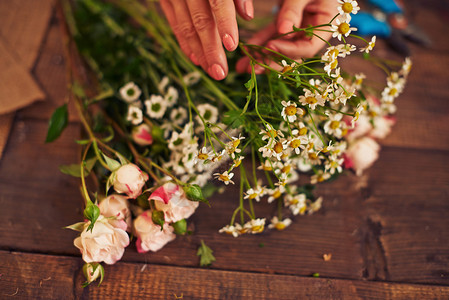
(388, 230)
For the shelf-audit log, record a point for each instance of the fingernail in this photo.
(228, 42)
(285, 26)
(217, 72)
(194, 59)
(249, 9)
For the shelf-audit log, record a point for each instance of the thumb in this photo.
(290, 15)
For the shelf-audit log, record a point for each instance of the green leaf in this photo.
(77, 226)
(205, 254)
(234, 118)
(180, 227)
(57, 123)
(194, 193)
(112, 163)
(158, 218)
(75, 170)
(123, 160)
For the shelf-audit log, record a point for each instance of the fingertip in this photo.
(229, 42)
(285, 26)
(217, 72)
(194, 59)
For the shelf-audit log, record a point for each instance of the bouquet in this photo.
(161, 136)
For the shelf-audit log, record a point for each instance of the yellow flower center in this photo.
(278, 147)
(313, 155)
(237, 162)
(235, 143)
(393, 92)
(295, 143)
(290, 110)
(280, 226)
(343, 28)
(287, 69)
(266, 167)
(203, 156)
(344, 131)
(347, 7)
(334, 64)
(224, 177)
(294, 201)
(272, 133)
(321, 178)
(257, 228)
(334, 125)
(277, 194)
(253, 196)
(303, 131)
(334, 52)
(311, 100)
(373, 114)
(286, 169)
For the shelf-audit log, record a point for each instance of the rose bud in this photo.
(149, 235)
(129, 179)
(91, 275)
(104, 243)
(142, 135)
(116, 206)
(171, 199)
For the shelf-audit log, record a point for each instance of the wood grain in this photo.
(26, 276)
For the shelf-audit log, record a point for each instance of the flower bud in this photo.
(142, 135)
(93, 271)
(129, 179)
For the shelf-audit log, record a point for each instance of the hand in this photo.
(201, 26)
(298, 13)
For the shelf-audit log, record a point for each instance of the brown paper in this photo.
(22, 28)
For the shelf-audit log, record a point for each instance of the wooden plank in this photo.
(404, 192)
(405, 201)
(26, 275)
(31, 276)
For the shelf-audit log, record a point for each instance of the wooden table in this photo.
(387, 231)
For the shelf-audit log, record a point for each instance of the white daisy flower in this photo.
(348, 7)
(208, 112)
(255, 193)
(342, 28)
(178, 115)
(334, 125)
(278, 224)
(225, 177)
(315, 206)
(270, 133)
(192, 78)
(130, 92)
(406, 67)
(266, 166)
(320, 176)
(345, 49)
(370, 45)
(311, 99)
(135, 115)
(156, 106)
(254, 226)
(231, 230)
(296, 203)
(288, 68)
(171, 96)
(275, 193)
(203, 155)
(289, 111)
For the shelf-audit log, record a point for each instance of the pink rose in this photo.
(149, 235)
(361, 128)
(361, 154)
(142, 135)
(129, 179)
(104, 243)
(116, 206)
(382, 127)
(171, 199)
